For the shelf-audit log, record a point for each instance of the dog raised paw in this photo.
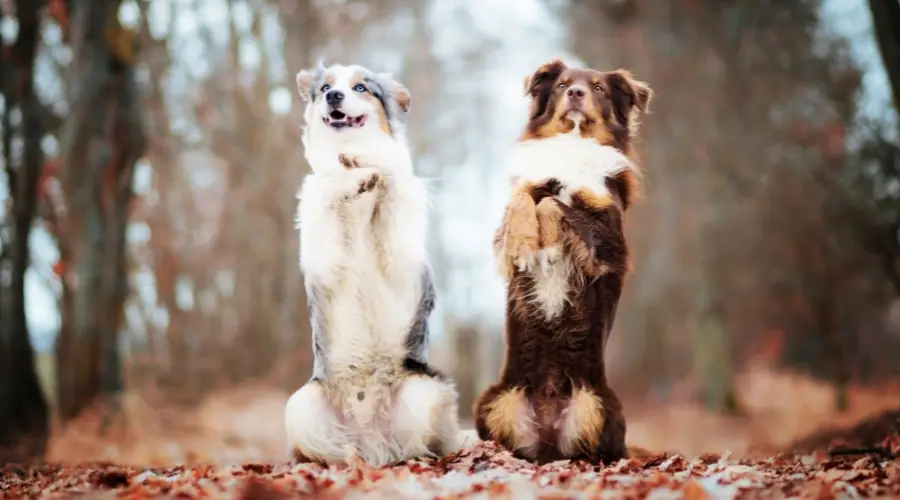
(349, 162)
(522, 237)
(368, 183)
(357, 182)
(549, 215)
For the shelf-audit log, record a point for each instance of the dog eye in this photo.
(360, 88)
(598, 88)
(325, 87)
(562, 85)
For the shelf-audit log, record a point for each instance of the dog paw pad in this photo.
(347, 161)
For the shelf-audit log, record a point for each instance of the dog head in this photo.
(350, 109)
(601, 105)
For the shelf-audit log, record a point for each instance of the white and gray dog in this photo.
(362, 218)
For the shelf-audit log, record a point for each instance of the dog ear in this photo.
(637, 92)
(630, 98)
(397, 91)
(305, 80)
(401, 94)
(546, 74)
(539, 85)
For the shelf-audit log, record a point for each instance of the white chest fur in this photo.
(365, 258)
(576, 163)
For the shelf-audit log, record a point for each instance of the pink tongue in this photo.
(359, 121)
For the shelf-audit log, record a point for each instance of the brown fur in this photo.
(518, 235)
(556, 367)
(501, 415)
(400, 94)
(549, 219)
(587, 412)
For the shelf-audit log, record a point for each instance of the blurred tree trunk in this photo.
(101, 140)
(302, 30)
(167, 264)
(23, 408)
(712, 356)
(835, 354)
(243, 141)
(886, 23)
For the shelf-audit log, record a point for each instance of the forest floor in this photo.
(788, 442)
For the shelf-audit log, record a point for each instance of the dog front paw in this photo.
(368, 183)
(349, 162)
(549, 215)
(549, 188)
(522, 237)
(357, 182)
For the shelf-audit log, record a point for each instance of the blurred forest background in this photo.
(152, 306)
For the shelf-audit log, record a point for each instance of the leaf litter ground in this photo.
(852, 461)
(484, 471)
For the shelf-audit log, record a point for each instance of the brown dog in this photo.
(562, 250)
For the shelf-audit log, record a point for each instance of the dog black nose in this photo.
(576, 92)
(334, 97)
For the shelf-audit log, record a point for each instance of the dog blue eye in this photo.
(562, 85)
(360, 88)
(325, 87)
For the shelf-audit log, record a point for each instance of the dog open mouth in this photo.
(339, 120)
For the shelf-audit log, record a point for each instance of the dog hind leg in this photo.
(425, 418)
(505, 415)
(592, 428)
(313, 429)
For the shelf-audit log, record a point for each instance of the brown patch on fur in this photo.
(519, 230)
(557, 361)
(628, 184)
(305, 80)
(522, 236)
(501, 416)
(592, 200)
(400, 94)
(500, 253)
(587, 412)
(549, 216)
(383, 123)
